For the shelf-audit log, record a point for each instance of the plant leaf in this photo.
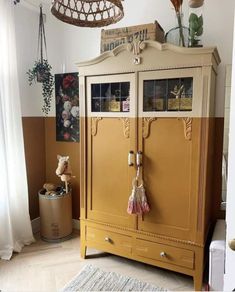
(200, 20)
(193, 25)
(200, 31)
(193, 17)
(47, 82)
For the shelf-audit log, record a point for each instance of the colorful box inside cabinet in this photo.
(126, 105)
(111, 38)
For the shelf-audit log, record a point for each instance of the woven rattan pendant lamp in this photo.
(88, 13)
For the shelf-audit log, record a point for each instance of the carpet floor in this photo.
(92, 278)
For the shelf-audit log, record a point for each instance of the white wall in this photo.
(26, 24)
(69, 44)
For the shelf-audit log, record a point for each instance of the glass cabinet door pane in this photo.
(186, 99)
(173, 94)
(96, 93)
(125, 97)
(110, 97)
(174, 89)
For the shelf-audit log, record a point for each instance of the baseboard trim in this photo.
(35, 225)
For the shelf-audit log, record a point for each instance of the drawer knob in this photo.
(162, 254)
(107, 239)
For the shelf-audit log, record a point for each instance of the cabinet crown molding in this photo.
(205, 55)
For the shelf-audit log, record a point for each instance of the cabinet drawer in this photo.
(165, 253)
(109, 241)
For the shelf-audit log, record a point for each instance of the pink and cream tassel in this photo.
(137, 203)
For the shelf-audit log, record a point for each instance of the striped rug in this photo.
(92, 278)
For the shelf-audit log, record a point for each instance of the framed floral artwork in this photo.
(67, 107)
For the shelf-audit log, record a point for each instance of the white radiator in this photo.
(217, 257)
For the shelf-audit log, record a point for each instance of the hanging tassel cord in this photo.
(138, 173)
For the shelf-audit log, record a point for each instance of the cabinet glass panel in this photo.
(174, 94)
(110, 97)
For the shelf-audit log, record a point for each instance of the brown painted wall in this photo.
(217, 182)
(70, 149)
(34, 142)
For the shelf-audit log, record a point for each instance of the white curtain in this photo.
(15, 225)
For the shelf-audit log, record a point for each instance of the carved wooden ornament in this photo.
(94, 125)
(126, 127)
(146, 123)
(187, 128)
(135, 47)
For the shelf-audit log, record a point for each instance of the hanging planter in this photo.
(41, 71)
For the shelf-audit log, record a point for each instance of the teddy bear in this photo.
(50, 189)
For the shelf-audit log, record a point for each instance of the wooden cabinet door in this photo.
(111, 136)
(170, 170)
(170, 104)
(171, 173)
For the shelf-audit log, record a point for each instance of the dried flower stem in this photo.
(178, 6)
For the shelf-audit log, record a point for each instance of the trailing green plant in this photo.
(41, 72)
(195, 29)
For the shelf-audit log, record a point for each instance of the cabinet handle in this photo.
(162, 254)
(231, 244)
(131, 158)
(139, 158)
(107, 239)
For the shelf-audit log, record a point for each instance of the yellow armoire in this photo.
(154, 102)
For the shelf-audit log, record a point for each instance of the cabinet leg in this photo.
(199, 269)
(83, 250)
(198, 279)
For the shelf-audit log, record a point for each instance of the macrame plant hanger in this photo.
(41, 44)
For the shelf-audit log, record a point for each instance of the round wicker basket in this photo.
(88, 13)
